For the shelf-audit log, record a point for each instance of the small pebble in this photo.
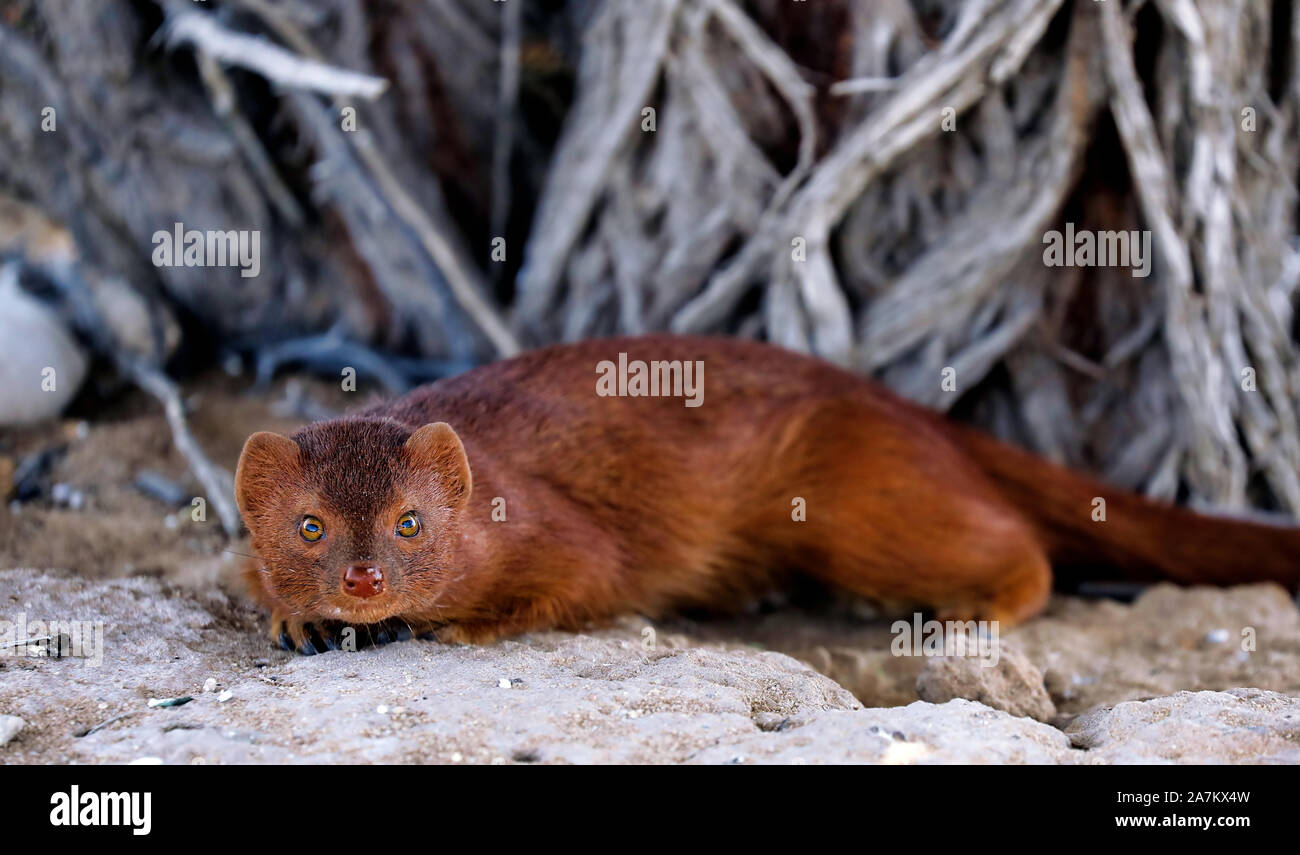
(504, 683)
(1217, 636)
(162, 488)
(210, 684)
(65, 495)
(170, 702)
(382, 709)
(225, 696)
(9, 727)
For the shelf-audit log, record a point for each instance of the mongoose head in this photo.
(353, 519)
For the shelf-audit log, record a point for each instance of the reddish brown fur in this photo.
(641, 504)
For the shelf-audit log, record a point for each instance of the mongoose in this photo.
(571, 484)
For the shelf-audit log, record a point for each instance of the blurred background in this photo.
(434, 184)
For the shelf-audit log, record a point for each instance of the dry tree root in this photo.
(869, 181)
(898, 245)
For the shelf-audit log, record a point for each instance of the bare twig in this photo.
(223, 101)
(216, 482)
(269, 60)
(507, 99)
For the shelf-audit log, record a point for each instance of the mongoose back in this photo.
(542, 492)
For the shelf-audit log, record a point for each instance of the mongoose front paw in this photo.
(305, 637)
(310, 638)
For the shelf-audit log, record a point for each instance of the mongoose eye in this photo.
(408, 526)
(311, 529)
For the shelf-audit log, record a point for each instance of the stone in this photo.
(1100, 652)
(1012, 684)
(598, 697)
(33, 340)
(1236, 726)
(10, 726)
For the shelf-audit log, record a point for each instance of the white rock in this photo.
(10, 725)
(33, 339)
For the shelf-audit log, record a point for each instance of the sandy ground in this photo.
(1177, 676)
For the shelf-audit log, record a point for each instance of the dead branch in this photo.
(272, 62)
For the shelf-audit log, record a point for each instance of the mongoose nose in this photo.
(363, 580)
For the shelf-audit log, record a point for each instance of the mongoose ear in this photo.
(262, 466)
(437, 448)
